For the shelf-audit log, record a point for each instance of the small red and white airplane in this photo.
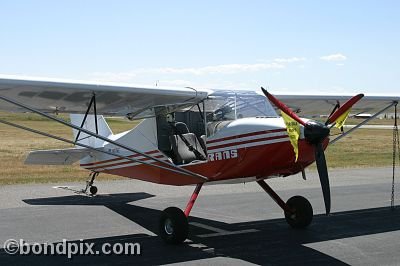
(190, 136)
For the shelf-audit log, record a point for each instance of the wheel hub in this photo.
(168, 227)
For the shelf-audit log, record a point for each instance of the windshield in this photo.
(231, 105)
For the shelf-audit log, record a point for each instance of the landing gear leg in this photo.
(298, 210)
(89, 184)
(173, 225)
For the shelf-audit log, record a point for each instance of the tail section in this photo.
(57, 157)
(90, 125)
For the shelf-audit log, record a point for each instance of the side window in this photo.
(225, 106)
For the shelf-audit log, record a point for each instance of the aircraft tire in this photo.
(303, 212)
(93, 190)
(173, 226)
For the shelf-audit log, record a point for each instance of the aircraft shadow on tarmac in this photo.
(266, 242)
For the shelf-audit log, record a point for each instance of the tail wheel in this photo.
(302, 212)
(93, 190)
(173, 226)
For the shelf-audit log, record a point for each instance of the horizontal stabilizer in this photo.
(57, 157)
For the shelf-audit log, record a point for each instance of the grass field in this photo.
(363, 148)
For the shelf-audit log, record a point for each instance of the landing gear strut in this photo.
(89, 184)
(298, 210)
(173, 225)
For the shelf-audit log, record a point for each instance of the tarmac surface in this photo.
(229, 224)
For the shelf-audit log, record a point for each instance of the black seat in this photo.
(189, 151)
(180, 128)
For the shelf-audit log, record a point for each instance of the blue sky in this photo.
(288, 46)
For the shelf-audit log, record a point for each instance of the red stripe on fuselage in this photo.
(209, 149)
(117, 159)
(245, 142)
(246, 135)
(260, 161)
(122, 163)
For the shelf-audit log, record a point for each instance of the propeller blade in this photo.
(282, 107)
(344, 108)
(315, 133)
(323, 175)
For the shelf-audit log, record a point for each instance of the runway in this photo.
(229, 225)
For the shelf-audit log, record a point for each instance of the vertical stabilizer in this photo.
(103, 129)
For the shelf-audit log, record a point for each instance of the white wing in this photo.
(315, 105)
(111, 99)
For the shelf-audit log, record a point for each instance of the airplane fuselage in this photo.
(245, 149)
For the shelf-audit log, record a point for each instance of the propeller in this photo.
(344, 108)
(282, 106)
(315, 133)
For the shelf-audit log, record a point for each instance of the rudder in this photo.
(90, 125)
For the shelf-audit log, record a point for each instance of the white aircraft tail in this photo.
(103, 129)
(57, 156)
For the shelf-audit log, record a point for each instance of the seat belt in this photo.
(199, 156)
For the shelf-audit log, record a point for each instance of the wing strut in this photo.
(363, 122)
(168, 166)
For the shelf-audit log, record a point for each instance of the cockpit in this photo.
(222, 107)
(231, 105)
(182, 134)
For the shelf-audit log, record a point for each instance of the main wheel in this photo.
(173, 226)
(303, 212)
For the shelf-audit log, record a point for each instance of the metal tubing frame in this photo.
(193, 198)
(337, 106)
(363, 122)
(95, 113)
(92, 101)
(175, 168)
(396, 149)
(275, 196)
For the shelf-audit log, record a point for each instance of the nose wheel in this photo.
(302, 212)
(298, 210)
